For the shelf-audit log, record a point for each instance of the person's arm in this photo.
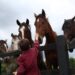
(21, 65)
(21, 70)
(36, 42)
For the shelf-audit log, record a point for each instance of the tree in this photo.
(72, 62)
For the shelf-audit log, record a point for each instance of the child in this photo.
(27, 61)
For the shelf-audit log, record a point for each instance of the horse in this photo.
(44, 29)
(14, 42)
(24, 33)
(25, 30)
(3, 46)
(69, 30)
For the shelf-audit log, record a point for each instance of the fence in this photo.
(62, 52)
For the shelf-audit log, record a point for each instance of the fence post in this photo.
(63, 59)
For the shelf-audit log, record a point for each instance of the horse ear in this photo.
(27, 21)
(43, 12)
(35, 15)
(73, 19)
(12, 34)
(64, 20)
(5, 40)
(18, 22)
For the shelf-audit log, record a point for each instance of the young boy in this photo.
(27, 61)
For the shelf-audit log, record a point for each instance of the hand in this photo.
(36, 36)
(15, 73)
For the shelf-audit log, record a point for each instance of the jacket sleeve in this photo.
(36, 46)
(21, 70)
(21, 67)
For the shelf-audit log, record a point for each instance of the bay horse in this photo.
(44, 29)
(69, 30)
(25, 30)
(3, 46)
(24, 33)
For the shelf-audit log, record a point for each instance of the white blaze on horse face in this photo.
(22, 31)
(6, 46)
(38, 20)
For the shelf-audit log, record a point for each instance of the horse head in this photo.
(25, 30)
(3, 46)
(15, 40)
(42, 26)
(69, 29)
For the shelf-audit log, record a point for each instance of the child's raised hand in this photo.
(36, 36)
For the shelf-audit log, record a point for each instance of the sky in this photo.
(11, 10)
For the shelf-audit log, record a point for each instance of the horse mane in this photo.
(29, 35)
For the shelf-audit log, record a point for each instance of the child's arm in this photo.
(36, 42)
(20, 70)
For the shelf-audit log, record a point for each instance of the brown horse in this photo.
(45, 30)
(25, 31)
(69, 30)
(3, 46)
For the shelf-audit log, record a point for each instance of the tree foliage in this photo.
(72, 62)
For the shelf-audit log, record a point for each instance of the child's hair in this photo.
(24, 44)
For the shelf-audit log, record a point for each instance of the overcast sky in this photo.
(56, 11)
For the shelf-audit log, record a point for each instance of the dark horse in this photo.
(69, 30)
(25, 31)
(3, 46)
(45, 30)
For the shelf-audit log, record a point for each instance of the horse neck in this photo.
(50, 36)
(29, 37)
